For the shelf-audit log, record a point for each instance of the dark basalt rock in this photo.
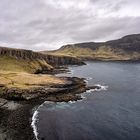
(74, 86)
(56, 70)
(94, 87)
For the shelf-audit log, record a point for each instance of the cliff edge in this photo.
(31, 62)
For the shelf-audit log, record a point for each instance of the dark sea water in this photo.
(112, 114)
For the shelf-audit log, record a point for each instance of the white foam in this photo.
(33, 124)
(86, 81)
(102, 87)
(71, 72)
(96, 89)
(34, 120)
(83, 97)
(72, 102)
(35, 115)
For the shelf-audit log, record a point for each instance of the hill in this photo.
(24, 71)
(125, 48)
(19, 60)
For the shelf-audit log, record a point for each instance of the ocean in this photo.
(112, 113)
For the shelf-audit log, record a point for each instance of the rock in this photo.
(94, 87)
(2, 102)
(61, 91)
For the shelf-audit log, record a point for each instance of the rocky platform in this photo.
(16, 106)
(17, 101)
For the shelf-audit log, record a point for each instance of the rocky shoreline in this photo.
(17, 104)
(16, 109)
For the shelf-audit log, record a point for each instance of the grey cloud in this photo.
(49, 24)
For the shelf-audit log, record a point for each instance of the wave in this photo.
(101, 88)
(34, 120)
(51, 106)
(72, 102)
(83, 96)
(71, 72)
(33, 124)
(60, 105)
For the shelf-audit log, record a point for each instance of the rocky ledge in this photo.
(16, 104)
(55, 92)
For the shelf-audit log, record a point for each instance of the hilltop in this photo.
(125, 48)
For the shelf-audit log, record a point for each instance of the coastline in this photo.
(15, 124)
(17, 105)
(16, 116)
(16, 113)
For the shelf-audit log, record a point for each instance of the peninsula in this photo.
(27, 79)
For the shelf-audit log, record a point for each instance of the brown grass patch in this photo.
(25, 80)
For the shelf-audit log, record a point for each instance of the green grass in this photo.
(101, 53)
(8, 63)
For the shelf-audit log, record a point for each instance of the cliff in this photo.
(29, 61)
(125, 48)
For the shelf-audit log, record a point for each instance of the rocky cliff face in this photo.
(126, 48)
(30, 55)
(62, 60)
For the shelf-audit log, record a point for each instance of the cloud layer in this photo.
(49, 24)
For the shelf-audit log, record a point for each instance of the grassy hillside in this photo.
(8, 63)
(18, 68)
(102, 53)
(126, 48)
(23, 80)
(19, 60)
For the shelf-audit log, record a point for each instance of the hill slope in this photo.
(126, 48)
(19, 60)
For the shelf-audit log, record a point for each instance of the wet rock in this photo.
(94, 87)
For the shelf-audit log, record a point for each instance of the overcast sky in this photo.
(49, 24)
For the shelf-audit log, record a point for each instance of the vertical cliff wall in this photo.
(30, 55)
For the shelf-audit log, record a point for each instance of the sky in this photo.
(50, 24)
